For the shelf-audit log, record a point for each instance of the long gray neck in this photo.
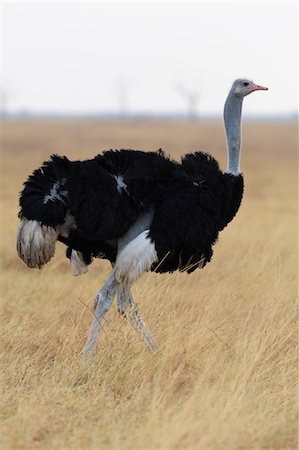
(232, 122)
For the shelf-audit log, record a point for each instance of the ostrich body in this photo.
(140, 210)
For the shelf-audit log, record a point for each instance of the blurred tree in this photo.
(191, 98)
(122, 92)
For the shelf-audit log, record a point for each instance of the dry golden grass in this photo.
(226, 375)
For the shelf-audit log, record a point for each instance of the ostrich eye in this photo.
(245, 83)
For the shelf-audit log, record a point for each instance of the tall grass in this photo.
(226, 375)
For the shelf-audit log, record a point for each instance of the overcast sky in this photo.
(139, 57)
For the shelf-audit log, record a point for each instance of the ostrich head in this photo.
(243, 87)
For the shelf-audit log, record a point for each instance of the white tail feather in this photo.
(78, 265)
(35, 243)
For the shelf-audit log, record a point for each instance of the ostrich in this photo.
(142, 211)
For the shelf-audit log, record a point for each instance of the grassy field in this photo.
(226, 375)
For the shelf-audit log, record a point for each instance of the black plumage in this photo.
(192, 200)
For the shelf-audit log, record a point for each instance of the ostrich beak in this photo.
(257, 87)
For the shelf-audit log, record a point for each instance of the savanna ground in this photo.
(226, 375)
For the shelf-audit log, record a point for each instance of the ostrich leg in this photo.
(136, 253)
(103, 301)
(128, 308)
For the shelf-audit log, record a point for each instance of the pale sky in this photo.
(100, 57)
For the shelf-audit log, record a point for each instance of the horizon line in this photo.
(139, 115)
